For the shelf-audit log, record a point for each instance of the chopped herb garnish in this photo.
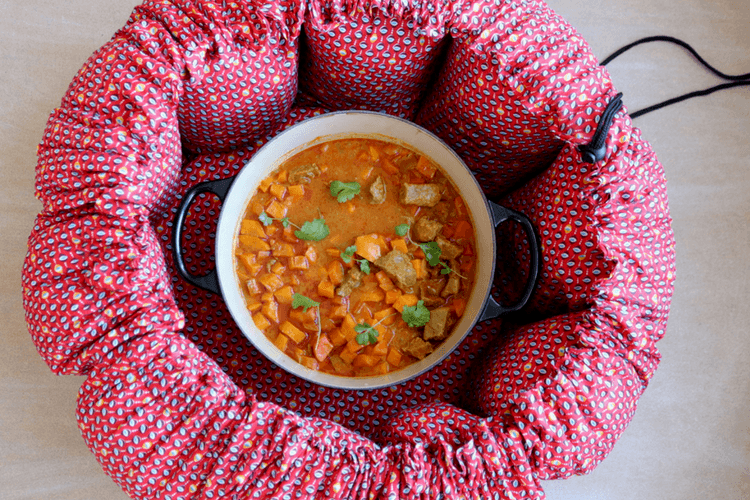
(364, 265)
(366, 334)
(431, 252)
(402, 229)
(344, 191)
(313, 231)
(417, 315)
(347, 254)
(299, 300)
(447, 270)
(267, 220)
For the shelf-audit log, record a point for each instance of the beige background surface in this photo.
(690, 438)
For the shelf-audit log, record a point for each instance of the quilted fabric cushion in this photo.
(178, 404)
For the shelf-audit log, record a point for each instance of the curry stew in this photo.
(356, 257)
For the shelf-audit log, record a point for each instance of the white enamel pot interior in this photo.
(336, 126)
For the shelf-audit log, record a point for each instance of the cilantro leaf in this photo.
(431, 252)
(285, 222)
(299, 300)
(344, 191)
(417, 315)
(313, 231)
(366, 334)
(402, 229)
(347, 254)
(364, 265)
(265, 219)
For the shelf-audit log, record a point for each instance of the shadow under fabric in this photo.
(178, 404)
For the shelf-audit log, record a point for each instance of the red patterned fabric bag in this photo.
(178, 404)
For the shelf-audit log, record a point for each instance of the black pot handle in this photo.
(493, 309)
(220, 188)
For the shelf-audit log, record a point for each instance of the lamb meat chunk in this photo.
(438, 326)
(377, 191)
(398, 266)
(453, 285)
(304, 174)
(448, 250)
(418, 348)
(423, 195)
(429, 292)
(426, 229)
(351, 281)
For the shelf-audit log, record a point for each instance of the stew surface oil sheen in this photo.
(356, 257)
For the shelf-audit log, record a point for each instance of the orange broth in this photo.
(347, 322)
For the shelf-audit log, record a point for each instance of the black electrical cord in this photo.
(734, 80)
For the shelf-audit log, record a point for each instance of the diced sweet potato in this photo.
(278, 190)
(253, 228)
(276, 210)
(370, 246)
(309, 362)
(284, 295)
(323, 348)
(326, 289)
(365, 360)
(299, 262)
(393, 357)
(406, 299)
(271, 281)
(281, 341)
(270, 310)
(253, 243)
(292, 332)
(261, 321)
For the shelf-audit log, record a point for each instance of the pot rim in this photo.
(230, 218)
